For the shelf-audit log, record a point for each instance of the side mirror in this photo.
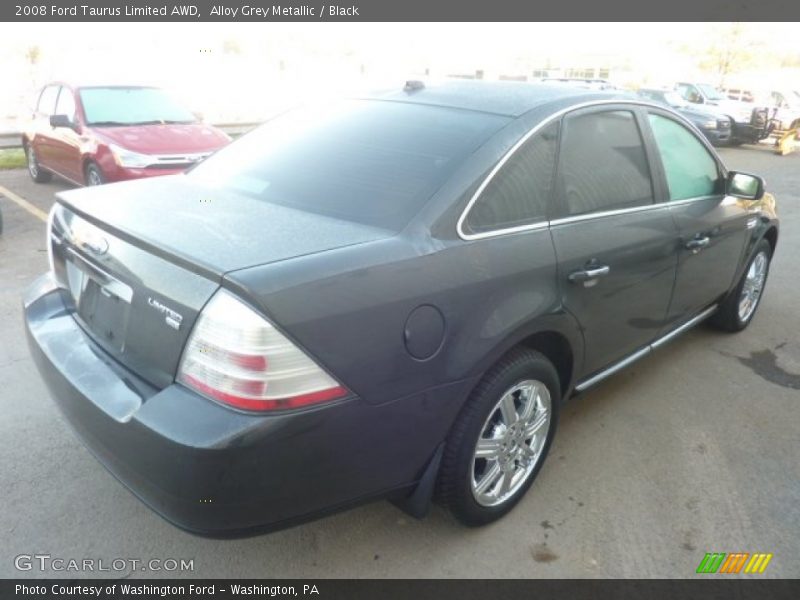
(60, 121)
(745, 186)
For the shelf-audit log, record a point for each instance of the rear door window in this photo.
(603, 165)
(690, 169)
(518, 194)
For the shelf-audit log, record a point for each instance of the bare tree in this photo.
(32, 55)
(731, 48)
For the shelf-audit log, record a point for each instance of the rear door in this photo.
(616, 247)
(713, 227)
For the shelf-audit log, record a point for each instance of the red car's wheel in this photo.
(94, 176)
(38, 174)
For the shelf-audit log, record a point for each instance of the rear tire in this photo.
(38, 174)
(739, 308)
(500, 440)
(94, 176)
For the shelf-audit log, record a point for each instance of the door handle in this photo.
(589, 274)
(697, 244)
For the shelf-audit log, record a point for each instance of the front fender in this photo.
(764, 211)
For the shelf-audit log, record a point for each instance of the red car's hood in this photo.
(176, 138)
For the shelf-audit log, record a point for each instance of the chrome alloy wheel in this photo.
(510, 443)
(753, 286)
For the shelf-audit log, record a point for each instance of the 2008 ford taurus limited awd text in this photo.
(386, 297)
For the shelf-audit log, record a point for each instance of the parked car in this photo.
(385, 297)
(749, 122)
(590, 84)
(91, 135)
(715, 125)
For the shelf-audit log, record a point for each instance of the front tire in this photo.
(38, 174)
(501, 438)
(94, 176)
(738, 309)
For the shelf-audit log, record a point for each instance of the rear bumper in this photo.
(218, 472)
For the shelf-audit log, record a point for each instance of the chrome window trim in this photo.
(606, 213)
(561, 221)
(624, 211)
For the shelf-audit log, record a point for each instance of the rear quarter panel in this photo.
(349, 307)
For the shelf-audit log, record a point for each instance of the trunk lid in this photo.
(138, 261)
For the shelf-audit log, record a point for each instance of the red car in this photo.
(91, 135)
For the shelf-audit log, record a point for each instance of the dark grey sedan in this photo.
(385, 298)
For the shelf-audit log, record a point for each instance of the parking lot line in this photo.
(36, 212)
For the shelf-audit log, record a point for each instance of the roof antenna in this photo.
(413, 85)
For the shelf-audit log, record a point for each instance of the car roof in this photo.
(508, 98)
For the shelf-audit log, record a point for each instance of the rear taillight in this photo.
(237, 357)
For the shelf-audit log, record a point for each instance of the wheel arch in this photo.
(771, 235)
(769, 232)
(556, 336)
(557, 349)
(86, 160)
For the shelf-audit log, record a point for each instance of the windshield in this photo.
(131, 106)
(710, 92)
(371, 162)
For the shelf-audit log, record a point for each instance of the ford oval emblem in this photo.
(96, 246)
(87, 237)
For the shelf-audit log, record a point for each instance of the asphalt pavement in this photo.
(693, 449)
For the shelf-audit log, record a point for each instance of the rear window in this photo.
(603, 164)
(370, 162)
(110, 106)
